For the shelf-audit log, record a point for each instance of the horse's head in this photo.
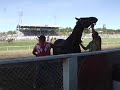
(86, 22)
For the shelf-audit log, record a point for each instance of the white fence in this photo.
(70, 64)
(30, 47)
(7, 48)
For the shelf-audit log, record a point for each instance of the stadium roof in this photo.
(37, 26)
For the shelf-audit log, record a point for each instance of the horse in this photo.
(71, 44)
(10, 40)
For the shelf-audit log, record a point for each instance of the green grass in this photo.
(19, 43)
(105, 41)
(29, 44)
(9, 50)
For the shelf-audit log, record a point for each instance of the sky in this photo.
(59, 12)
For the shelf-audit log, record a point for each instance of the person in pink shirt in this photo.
(42, 48)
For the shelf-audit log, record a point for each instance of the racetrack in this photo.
(24, 48)
(15, 54)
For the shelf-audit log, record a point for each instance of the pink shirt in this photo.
(43, 50)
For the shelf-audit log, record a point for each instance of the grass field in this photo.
(18, 43)
(24, 48)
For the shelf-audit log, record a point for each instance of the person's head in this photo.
(94, 35)
(42, 39)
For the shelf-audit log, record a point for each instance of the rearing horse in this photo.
(71, 44)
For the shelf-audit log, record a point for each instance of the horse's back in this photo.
(58, 50)
(65, 47)
(59, 42)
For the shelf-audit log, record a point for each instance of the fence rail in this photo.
(6, 48)
(58, 72)
(29, 47)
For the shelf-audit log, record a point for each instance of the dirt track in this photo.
(15, 54)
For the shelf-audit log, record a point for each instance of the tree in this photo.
(104, 30)
(11, 32)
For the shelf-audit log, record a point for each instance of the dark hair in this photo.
(42, 37)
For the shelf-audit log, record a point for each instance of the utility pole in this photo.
(4, 13)
(54, 20)
(20, 13)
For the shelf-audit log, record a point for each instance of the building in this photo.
(36, 30)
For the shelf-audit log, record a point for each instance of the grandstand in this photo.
(36, 30)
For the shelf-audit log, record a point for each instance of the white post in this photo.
(7, 48)
(70, 69)
(29, 47)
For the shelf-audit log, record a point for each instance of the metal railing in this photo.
(58, 72)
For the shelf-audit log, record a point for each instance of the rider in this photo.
(95, 44)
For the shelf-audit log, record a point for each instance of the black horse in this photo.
(71, 44)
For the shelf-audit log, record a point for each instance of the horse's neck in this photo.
(76, 35)
(77, 31)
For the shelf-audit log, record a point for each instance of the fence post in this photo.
(70, 68)
(7, 48)
(29, 47)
